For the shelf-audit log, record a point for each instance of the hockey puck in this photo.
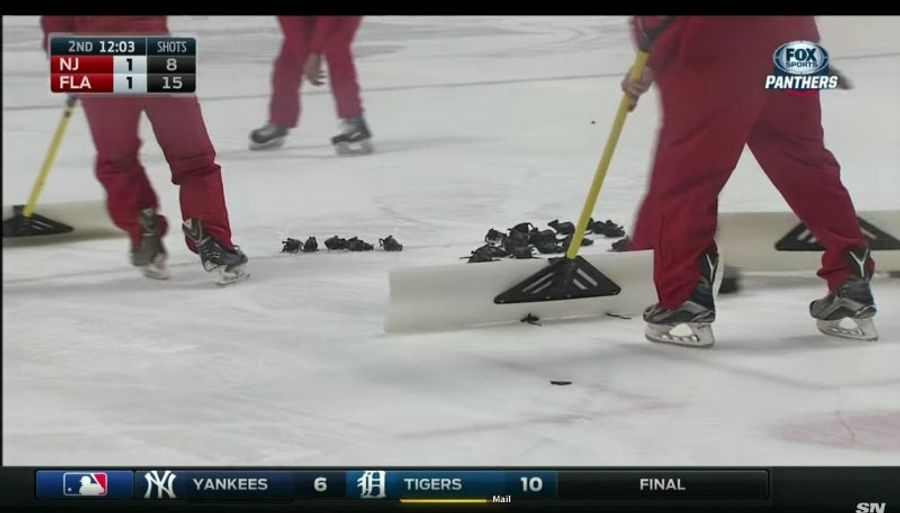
(561, 383)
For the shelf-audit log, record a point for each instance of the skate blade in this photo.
(350, 149)
(701, 335)
(156, 273)
(223, 277)
(864, 329)
(156, 270)
(274, 143)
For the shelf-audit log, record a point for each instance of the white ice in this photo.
(479, 122)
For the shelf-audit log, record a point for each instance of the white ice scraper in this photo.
(463, 295)
(59, 221)
(778, 241)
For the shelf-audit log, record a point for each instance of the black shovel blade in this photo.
(562, 279)
(20, 226)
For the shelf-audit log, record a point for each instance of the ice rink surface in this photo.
(478, 122)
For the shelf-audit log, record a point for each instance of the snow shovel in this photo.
(454, 296)
(24, 221)
(573, 277)
(83, 219)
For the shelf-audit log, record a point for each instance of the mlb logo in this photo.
(85, 484)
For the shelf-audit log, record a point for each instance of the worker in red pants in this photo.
(711, 73)
(307, 40)
(179, 128)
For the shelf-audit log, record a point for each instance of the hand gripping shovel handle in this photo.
(640, 61)
(51, 156)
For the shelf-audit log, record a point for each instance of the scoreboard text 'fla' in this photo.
(123, 65)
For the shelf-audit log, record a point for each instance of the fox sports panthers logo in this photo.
(801, 58)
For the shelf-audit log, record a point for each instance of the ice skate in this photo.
(697, 313)
(150, 256)
(848, 311)
(227, 266)
(354, 139)
(269, 136)
(731, 281)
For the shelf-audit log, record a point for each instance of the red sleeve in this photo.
(666, 46)
(328, 26)
(55, 24)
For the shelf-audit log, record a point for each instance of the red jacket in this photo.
(100, 25)
(691, 40)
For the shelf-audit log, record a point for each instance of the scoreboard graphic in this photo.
(677, 489)
(123, 65)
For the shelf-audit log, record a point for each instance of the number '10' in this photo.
(532, 484)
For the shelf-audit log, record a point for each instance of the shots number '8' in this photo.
(172, 82)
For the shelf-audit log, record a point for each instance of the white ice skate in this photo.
(848, 312)
(667, 326)
(849, 327)
(691, 323)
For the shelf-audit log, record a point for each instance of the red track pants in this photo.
(709, 114)
(284, 107)
(180, 130)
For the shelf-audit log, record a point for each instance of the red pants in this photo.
(710, 112)
(284, 108)
(180, 130)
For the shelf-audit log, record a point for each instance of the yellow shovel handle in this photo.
(51, 156)
(640, 61)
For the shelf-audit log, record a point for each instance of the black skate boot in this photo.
(228, 266)
(852, 300)
(150, 257)
(731, 280)
(269, 136)
(698, 312)
(354, 139)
